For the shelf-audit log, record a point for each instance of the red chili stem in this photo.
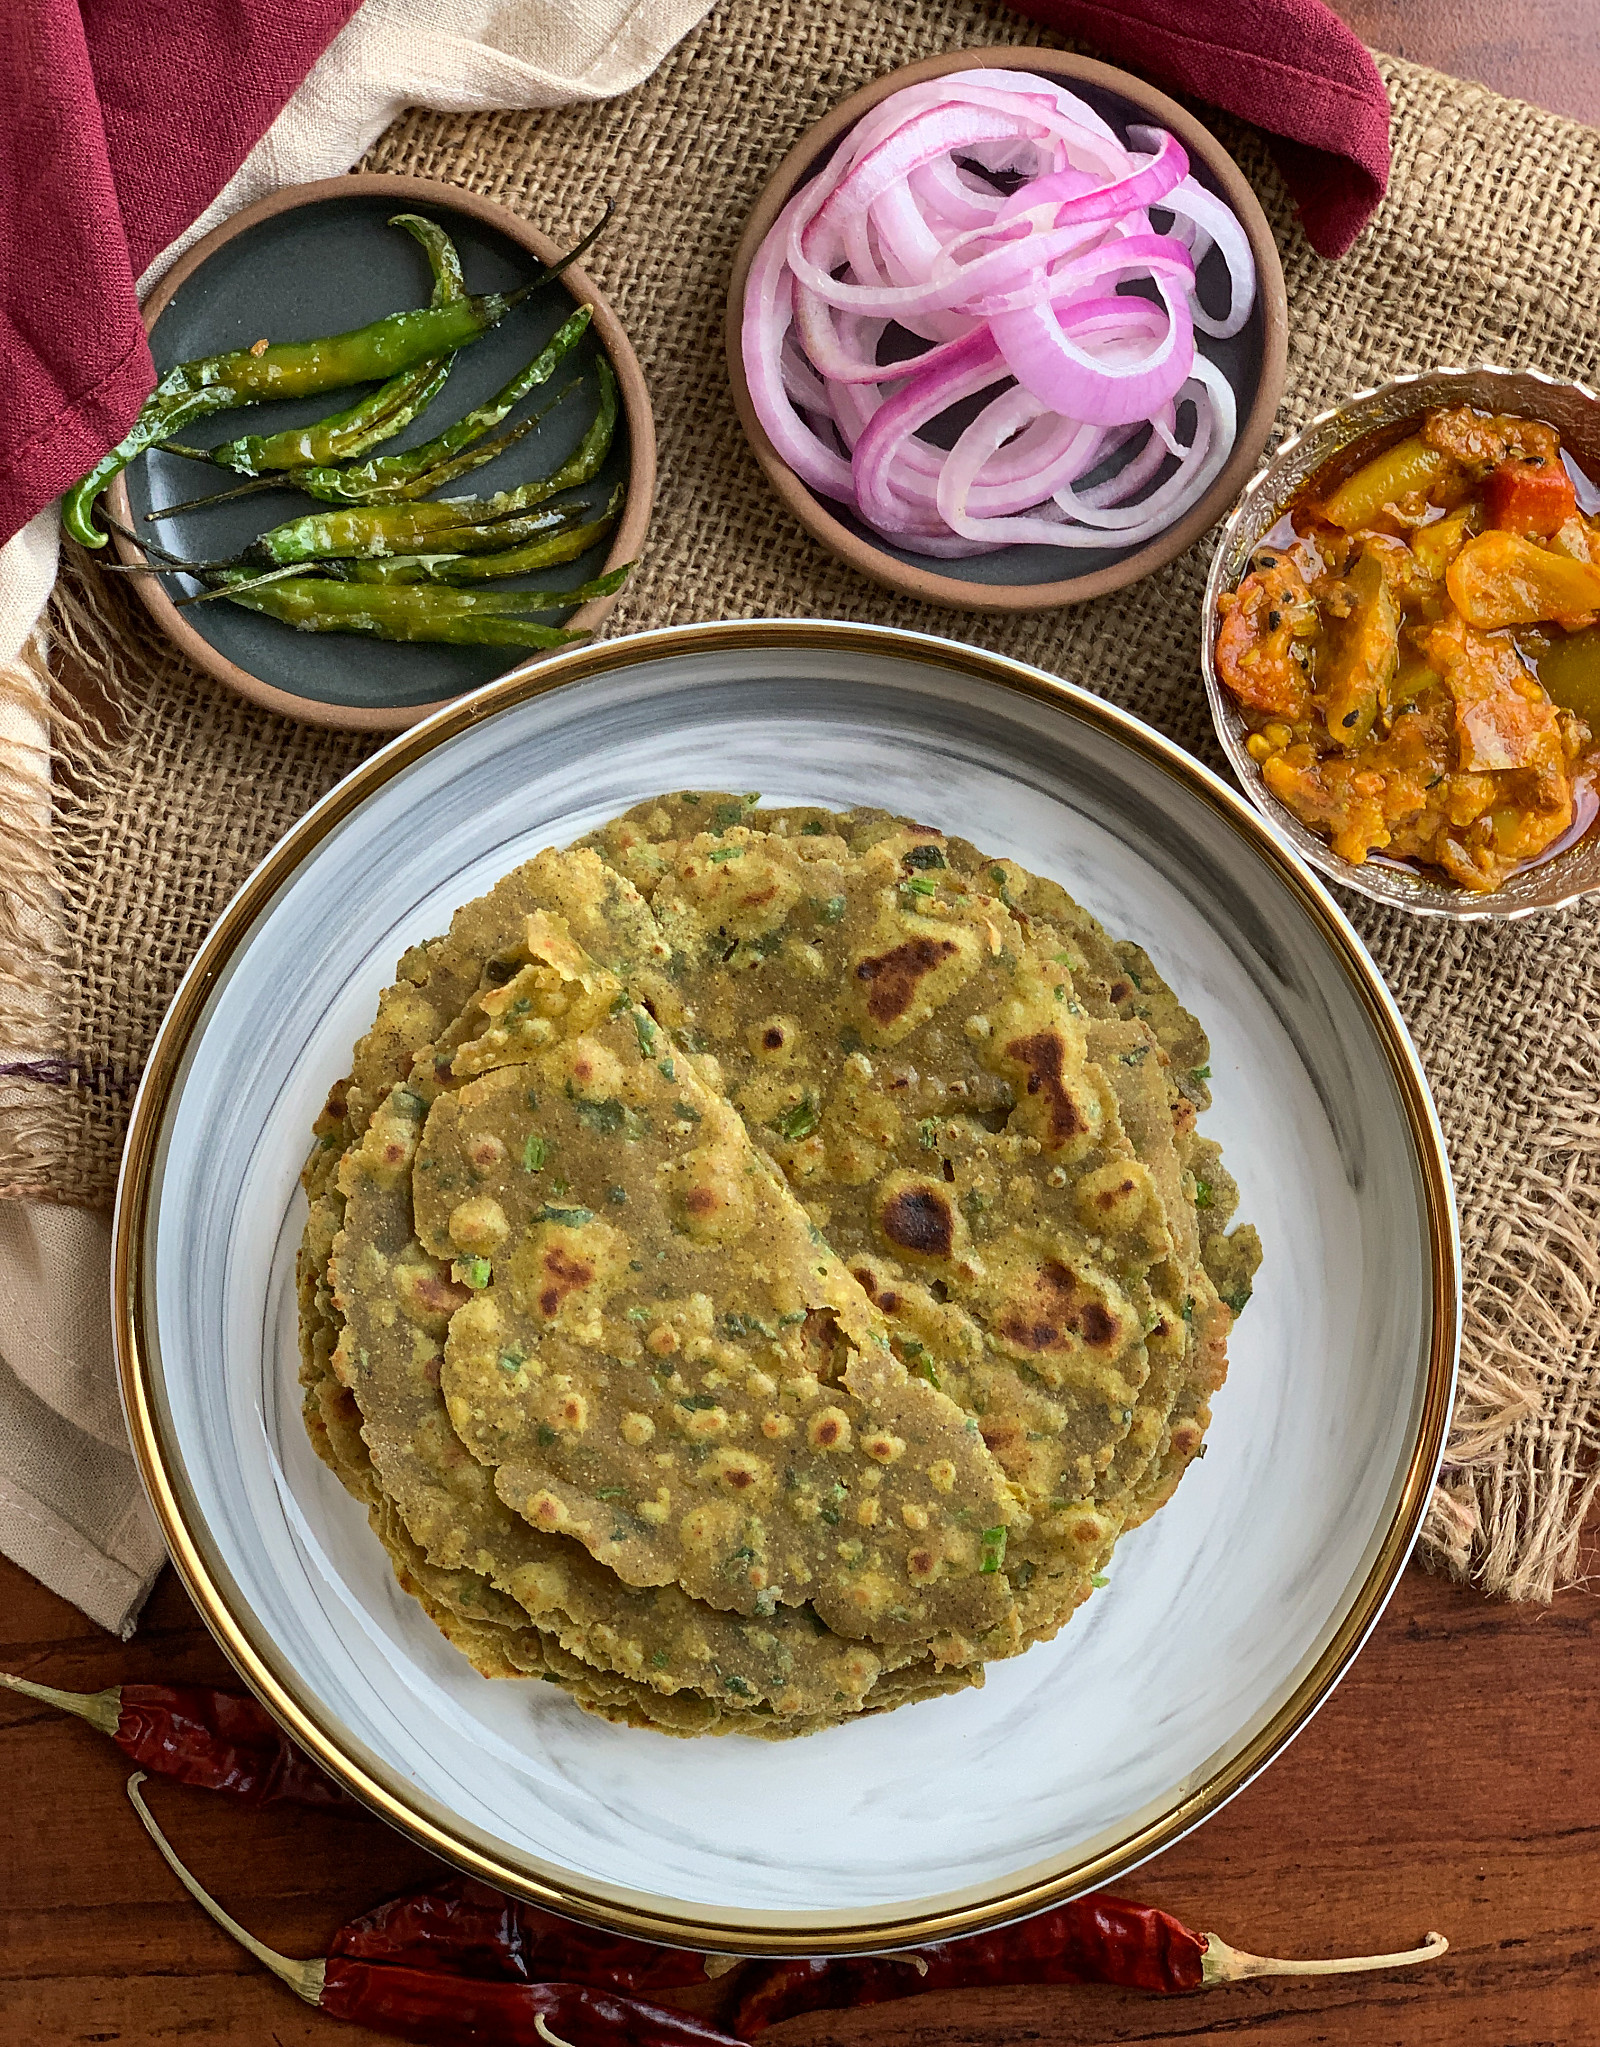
(216, 1740)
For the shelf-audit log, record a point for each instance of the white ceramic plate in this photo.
(1226, 1619)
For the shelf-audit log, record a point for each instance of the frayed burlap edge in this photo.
(152, 767)
(37, 785)
(1523, 1463)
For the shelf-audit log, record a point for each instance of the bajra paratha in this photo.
(870, 1148)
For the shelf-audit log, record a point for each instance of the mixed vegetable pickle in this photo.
(318, 572)
(1416, 651)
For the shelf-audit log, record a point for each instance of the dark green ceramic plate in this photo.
(320, 259)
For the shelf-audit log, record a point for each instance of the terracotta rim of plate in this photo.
(952, 592)
(268, 1671)
(627, 540)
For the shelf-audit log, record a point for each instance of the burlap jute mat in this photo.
(1485, 249)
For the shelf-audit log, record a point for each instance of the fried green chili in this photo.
(377, 417)
(444, 526)
(393, 479)
(410, 611)
(294, 369)
(543, 553)
(376, 531)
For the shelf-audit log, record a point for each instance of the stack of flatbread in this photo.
(759, 1263)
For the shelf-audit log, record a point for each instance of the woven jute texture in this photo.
(1484, 250)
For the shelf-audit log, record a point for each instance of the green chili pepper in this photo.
(484, 568)
(429, 569)
(222, 590)
(446, 525)
(383, 531)
(294, 369)
(378, 416)
(392, 479)
(461, 618)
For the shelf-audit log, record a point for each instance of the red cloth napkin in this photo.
(122, 121)
(1289, 66)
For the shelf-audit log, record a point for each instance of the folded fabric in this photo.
(72, 1509)
(1289, 66)
(122, 120)
(156, 119)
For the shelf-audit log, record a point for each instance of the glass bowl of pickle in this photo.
(1401, 642)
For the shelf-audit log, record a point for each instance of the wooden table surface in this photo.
(1453, 1780)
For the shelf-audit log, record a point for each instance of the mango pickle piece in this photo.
(1410, 465)
(1437, 545)
(1363, 654)
(1569, 669)
(1500, 580)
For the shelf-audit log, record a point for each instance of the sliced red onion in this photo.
(900, 226)
(953, 197)
(1060, 197)
(1139, 470)
(767, 311)
(1213, 222)
(1007, 415)
(1198, 466)
(819, 332)
(976, 365)
(937, 132)
(1072, 377)
(1117, 259)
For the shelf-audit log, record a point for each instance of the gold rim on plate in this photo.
(265, 1670)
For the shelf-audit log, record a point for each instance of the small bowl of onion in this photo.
(1007, 330)
(1513, 698)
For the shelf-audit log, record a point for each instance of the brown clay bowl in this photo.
(319, 259)
(1032, 578)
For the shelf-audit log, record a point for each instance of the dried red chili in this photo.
(445, 2009)
(441, 2010)
(1097, 1939)
(476, 1930)
(458, 1964)
(198, 1736)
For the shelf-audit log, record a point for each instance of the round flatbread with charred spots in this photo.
(785, 1666)
(1116, 980)
(396, 1301)
(1026, 1210)
(762, 1448)
(1110, 983)
(936, 1107)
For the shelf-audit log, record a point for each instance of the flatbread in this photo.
(1108, 980)
(763, 1449)
(711, 1013)
(396, 1302)
(436, 984)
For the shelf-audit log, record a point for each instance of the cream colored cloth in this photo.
(71, 1508)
